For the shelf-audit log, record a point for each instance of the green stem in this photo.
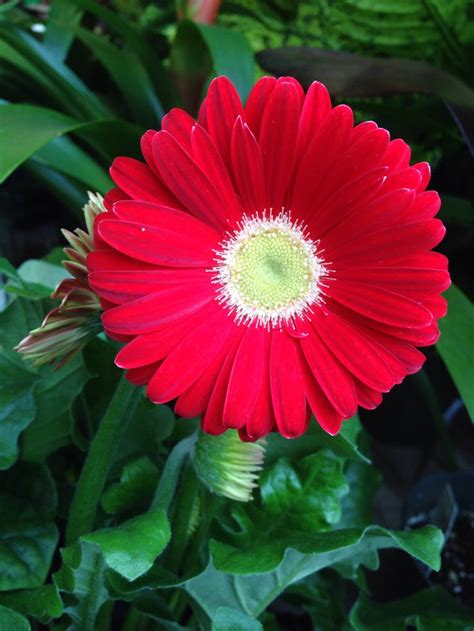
(183, 513)
(96, 467)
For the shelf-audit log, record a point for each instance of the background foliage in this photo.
(337, 536)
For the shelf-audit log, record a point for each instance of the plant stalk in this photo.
(98, 461)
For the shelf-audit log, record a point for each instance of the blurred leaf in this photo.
(457, 211)
(231, 56)
(130, 76)
(137, 484)
(82, 576)
(456, 346)
(357, 504)
(65, 156)
(430, 604)
(64, 188)
(227, 619)
(11, 620)
(136, 41)
(42, 603)
(55, 79)
(59, 35)
(26, 128)
(42, 273)
(131, 548)
(349, 75)
(28, 535)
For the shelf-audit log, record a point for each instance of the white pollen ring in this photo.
(268, 271)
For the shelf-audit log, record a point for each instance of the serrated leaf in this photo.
(12, 621)
(434, 604)
(42, 603)
(131, 548)
(455, 344)
(28, 535)
(227, 619)
(306, 496)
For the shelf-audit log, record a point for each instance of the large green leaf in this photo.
(456, 344)
(432, 609)
(59, 35)
(227, 619)
(28, 535)
(252, 593)
(65, 156)
(42, 603)
(131, 548)
(12, 621)
(33, 397)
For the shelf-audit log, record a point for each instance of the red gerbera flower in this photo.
(270, 260)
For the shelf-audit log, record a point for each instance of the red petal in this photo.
(103, 260)
(411, 281)
(398, 155)
(141, 376)
(187, 181)
(151, 347)
(159, 245)
(156, 310)
(210, 161)
(246, 377)
(257, 102)
(316, 107)
(112, 196)
(190, 357)
(335, 381)
(354, 351)
(368, 397)
(124, 286)
(324, 413)
(147, 152)
(248, 167)
(139, 182)
(287, 387)
(387, 245)
(326, 147)
(380, 304)
(278, 141)
(223, 107)
(262, 419)
(179, 124)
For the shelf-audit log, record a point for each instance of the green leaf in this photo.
(429, 606)
(231, 56)
(28, 535)
(236, 585)
(17, 406)
(455, 344)
(306, 496)
(344, 444)
(127, 71)
(59, 34)
(33, 397)
(26, 128)
(131, 548)
(227, 619)
(42, 603)
(66, 157)
(82, 576)
(12, 621)
(135, 489)
(42, 273)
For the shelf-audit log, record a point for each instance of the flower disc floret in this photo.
(268, 271)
